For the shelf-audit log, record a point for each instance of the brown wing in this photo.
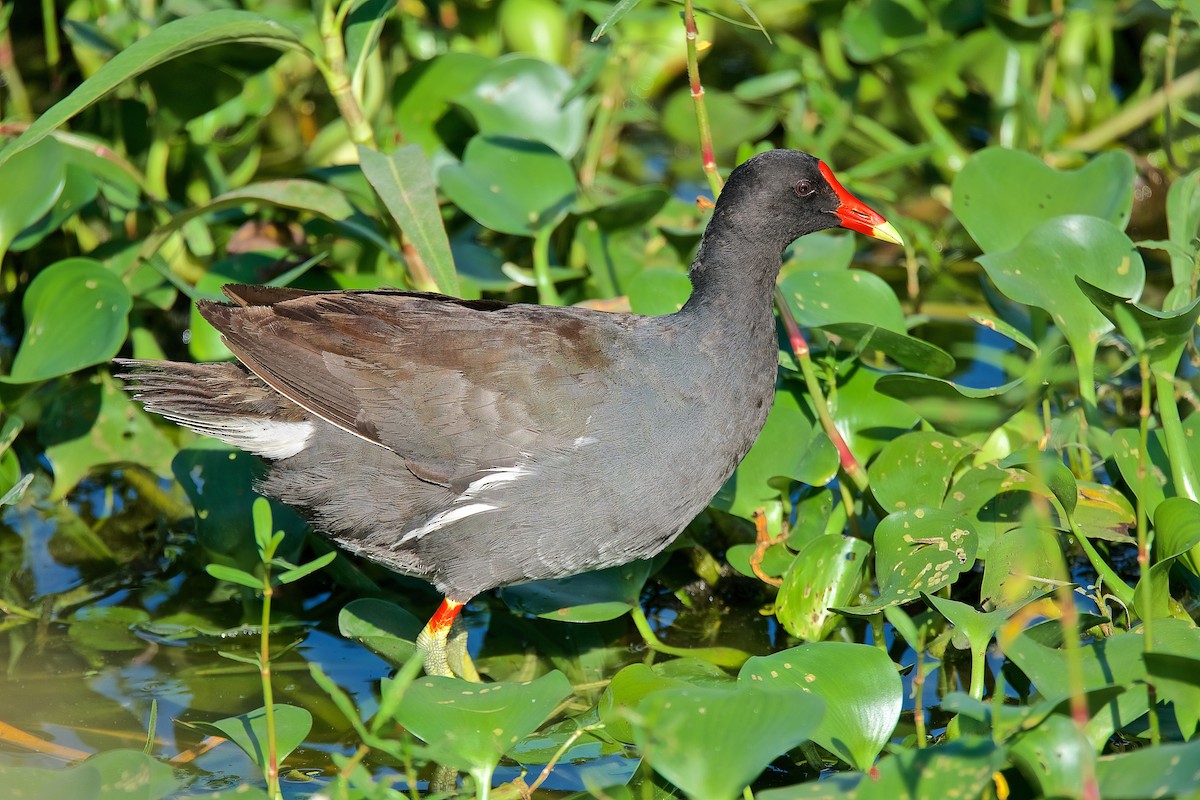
(454, 387)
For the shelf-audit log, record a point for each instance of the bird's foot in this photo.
(443, 642)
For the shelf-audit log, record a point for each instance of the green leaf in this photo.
(108, 628)
(41, 174)
(112, 775)
(363, 26)
(233, 575)
(293, 575)
(589, 597)
(526, 98)
(404, 181)
(658, 291)
(712, 742)
(1164, 334)
(826, 573)
(914, 469)
(1041, 271)
(471, 726)
(1001, 195)
(860, 685)
(384, 628)
(510, 185)
(1168, 770)
(424, 93)
(950, 407)
(174, 39)
(76, 315)
(1055, 756)
(1019, 564)
(249, 731)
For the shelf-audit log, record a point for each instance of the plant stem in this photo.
(1145, 587)
(264, 669)
(547, 294)
(693, 67)
(18, 98)
(50, 36)
(333, 70)
(1079, 707)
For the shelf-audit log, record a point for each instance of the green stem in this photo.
(1075, 681)
(1112, 581)
(272, 754)
(333, 70)
(547, 294)
(978, 669)
(1085, 364)
(1182, 471)
(50, 33)
(1145, 586)
(18, 98)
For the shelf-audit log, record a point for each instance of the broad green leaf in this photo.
(108, 628)
(364, 23)
(1183, 222)
(1176, 527)
(41, 173)
(249, 731)
(957, 410)
(860, 685)
(713, 742)
(510, 185)
(1041, 271)
(384, 628)
(404, 181)
(526, 98)
(918, 550)
(865, 416)
(112, 775)
(423, 96)
(823, 297)
(1020, 563)
(962, 768)
(1167, 770)
(914, 469)
(590, 597)
(1054, 756)
(233, 575)
(471, 726)
(174, 39)
(79, 189)
(1001, 195)
(1163, 334)
(825, 574)
(95, 424)
(1176, 679)
(618, 703)
(76, 315)
(732, 121)
(824, 251)
(658, 291)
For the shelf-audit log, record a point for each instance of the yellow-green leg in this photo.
(443, 641)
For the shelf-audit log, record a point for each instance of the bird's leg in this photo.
(443, 641)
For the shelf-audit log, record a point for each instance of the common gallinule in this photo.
(475, 443)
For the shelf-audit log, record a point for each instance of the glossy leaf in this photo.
(249, 731)
(112, 775)
(41, 172)
(589, 597)
(914, 469)
(510, 185)
(825, 574)
(76, 315)
(1002, 194)
(472, 725)
(424, 94)
(1055, 757)
(384, 628)
(525, 98)
(860, 685)
(954, 409)
(712, 742)
(1168, 770)
(1019, 564)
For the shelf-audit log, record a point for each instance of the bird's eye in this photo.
(804, 188)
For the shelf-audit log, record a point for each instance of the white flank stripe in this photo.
(495, 477)
(444, 518)
(584, 440)
(263, 437)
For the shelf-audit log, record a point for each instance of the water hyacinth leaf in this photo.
(869, 341)
(915, 469)
(860, 685)
(1021, 563)
(1004, 329)
(624, 692)
(510, 185)
(1041, 270)
(1167, 770)
(812, 517)
(824, 252)
(526, 98)
(424, 95)
(1176, 528)
(1183, 223)
(658, 291)
(404, 182)
(1176, 680)
(918, 550)
(384, 628)
(471, 726)
(952, 408)
(364, 23)
(76, 315)
(962, 768)
(1055, 756)
(713, 742)
(827, 573)
(779, 451)
(41, 174)
(589, 597)
(79, 189)
(1047, 472)
(95, 424)
(1163, 334)
(1103, 512)
(867, 418)
(733, 121)
(112, 775)
(172, 40)
(249, 731)
(825, 297)
(776, 559)
(1002, 194)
